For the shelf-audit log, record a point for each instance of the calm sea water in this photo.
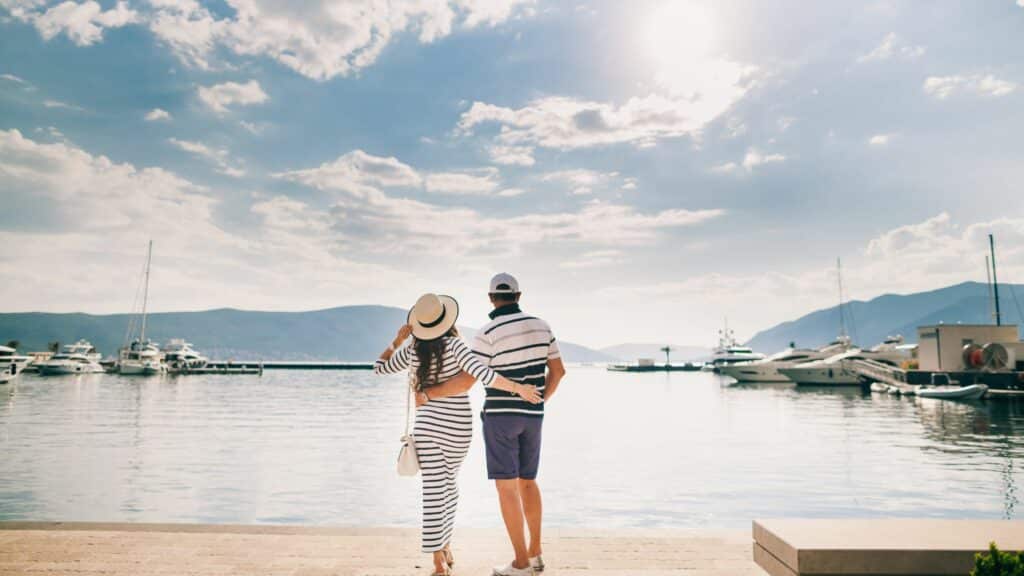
(679, 450)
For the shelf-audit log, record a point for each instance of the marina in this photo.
(277, 449)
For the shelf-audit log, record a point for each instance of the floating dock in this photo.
(257, 367)
(654, 367)
(1004, 383)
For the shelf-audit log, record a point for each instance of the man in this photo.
(522, 348)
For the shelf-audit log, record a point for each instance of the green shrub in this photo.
(997, 563)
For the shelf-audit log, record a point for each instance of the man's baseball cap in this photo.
(504, 283)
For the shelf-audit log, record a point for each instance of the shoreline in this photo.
(215, 549)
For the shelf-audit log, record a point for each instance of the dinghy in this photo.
(972, 392)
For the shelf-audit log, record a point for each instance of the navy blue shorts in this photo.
(513, 445)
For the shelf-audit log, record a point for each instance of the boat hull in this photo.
(65, 369)
(753, 374)
(141, 369)
(833, 376)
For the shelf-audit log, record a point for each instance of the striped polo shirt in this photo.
(517, 346)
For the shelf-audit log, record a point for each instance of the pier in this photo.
(93, 549)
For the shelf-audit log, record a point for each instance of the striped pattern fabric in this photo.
(517, 346)
(442, 433)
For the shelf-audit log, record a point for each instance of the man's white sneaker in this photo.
(510, 570)
(537, 563)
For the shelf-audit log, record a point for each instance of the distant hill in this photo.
(892, 314)
(631, 351)
(351, 333)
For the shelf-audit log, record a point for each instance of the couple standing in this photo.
(517, 360)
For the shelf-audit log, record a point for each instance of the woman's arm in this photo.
(390, 362)
(468, 362)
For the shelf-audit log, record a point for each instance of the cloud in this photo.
(751, 160)
(157, 114)
(83, 23)
(16, 79)
(357, 173)
(62, 105)
(566, 123)
(318, 39)
(219, 157)
(943, 87)
(594, 259)
(252, 127)
(687, 97)
(482, 181)
(581, 181)
(220, 97)
(100, 214)
(512, 155)
(629, 183)
(893, 46)
(881, 139)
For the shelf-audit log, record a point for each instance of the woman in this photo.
(444, 426)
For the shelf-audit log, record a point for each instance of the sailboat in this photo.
(140, 356)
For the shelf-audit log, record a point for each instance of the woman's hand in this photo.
(403, 333)
(529, 393)
(421, 398)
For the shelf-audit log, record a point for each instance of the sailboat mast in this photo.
(145, 293)
(995, 280)
(839, 281)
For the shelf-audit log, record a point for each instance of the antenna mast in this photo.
(995, 280)
(145, 293)
(842, 318)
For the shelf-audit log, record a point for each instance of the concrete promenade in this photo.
(206, 550)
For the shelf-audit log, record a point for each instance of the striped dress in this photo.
(442, 432)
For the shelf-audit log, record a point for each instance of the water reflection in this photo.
(621, 450)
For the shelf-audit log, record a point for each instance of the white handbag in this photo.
(408, 460)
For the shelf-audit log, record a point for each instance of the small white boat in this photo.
(181, 357)
(971, 392)
(78, 358)
(11, 364)
(879, 388)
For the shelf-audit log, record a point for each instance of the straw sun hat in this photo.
(433, 316)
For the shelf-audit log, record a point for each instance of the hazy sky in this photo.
(644, 168)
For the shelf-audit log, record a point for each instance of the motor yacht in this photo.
(767, 370)
(11, 364)
(181, 357)
(832, 371)
(730, 352)
(78, 358)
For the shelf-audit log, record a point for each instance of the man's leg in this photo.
(512, 513)
(501, 437)
(529, 492)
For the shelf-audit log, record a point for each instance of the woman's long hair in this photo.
(430, 354)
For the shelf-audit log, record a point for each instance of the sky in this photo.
(646, 169)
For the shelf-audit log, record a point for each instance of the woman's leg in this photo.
(435, 494)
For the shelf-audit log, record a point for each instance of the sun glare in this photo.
(677, 30)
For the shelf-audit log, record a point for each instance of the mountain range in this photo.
(868, 323)
(348, 333)
(358, 333)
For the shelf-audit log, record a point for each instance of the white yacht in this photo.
(767, 370)
(181, 357)
(141, 357)
(730, 352)
(11, 364)
(78, 358)
(832, 371)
